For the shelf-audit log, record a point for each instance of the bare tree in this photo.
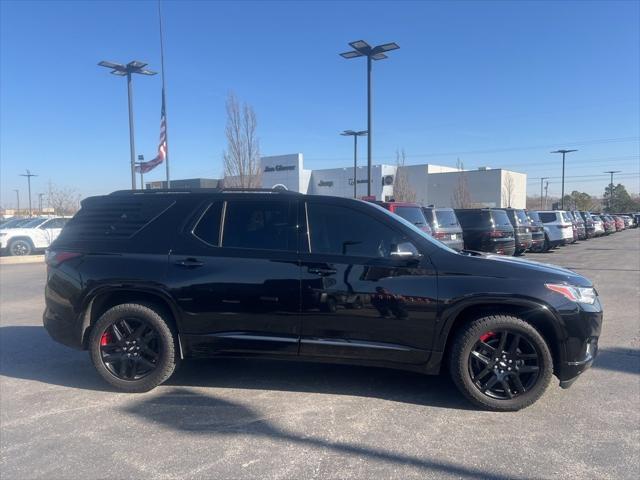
(461, 197)
(508, 190)
(402, 191)
(242, 158)
(63, 200)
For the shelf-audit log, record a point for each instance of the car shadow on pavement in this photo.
(193, 413)
(626, 360)
(27, 352)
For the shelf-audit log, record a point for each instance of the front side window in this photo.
(263, 225)
(336, 230)
(55, 223)
(547, 217)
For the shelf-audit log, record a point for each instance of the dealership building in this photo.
(432, 184)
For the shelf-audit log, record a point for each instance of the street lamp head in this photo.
(351, 54)
(113, 65)
(119, 73)
(386, 47)
(378, 56)
(348, 133)
(136, 64)
(564, 151)
(361, 46)
(146, 72)
(352, 133)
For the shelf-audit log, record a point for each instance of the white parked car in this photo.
(599, 226)
(36, 234)
(558, 227)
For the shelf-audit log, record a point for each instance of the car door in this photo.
(358, 301)
(235, 276)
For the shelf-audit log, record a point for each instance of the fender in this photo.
(155, 290)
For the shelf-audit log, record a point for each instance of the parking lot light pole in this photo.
(542, 179)
(611, 172)
(563, 152)
(17, 200)
(363, 49)
(355, 135)
(29, 175)
(126, 71)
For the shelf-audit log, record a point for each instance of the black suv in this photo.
(521, 228)
(487, 230)
(143, 280)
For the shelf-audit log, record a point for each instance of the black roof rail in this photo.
(151, 191)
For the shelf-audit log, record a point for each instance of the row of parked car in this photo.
(510, 231)
(24, 236)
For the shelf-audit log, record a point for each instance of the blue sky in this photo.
(493, 83)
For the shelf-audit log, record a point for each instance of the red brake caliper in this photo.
(486, 336)
(104, 340)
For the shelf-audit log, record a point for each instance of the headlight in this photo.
(575, 294)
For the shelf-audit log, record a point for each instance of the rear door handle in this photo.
(321, 271)
(189, 263)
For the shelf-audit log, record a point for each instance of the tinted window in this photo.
(264, 225)
(566, 217)
(55, 223)
(208, 227)
(500, 218)
(446, 218)
(411, 214)
(473, 218)
(114, 217)
(547, 217)
(428, 214)
(342, 231)
(33, 223)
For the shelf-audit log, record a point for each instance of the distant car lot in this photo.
(257, 419)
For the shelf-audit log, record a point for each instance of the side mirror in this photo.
(405, 250)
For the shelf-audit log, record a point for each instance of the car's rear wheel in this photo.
(133, 348)
(20, 247)
(501, 363)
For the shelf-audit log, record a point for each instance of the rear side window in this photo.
(411, 214)
(500, 218)
(534, 216)
(55, 223)
(473, 218)
(566, 217)
(208, 227)
(522, 217)
(446, 218)
(547, 217)
(114, 217)
(337, 230)
(263, 225)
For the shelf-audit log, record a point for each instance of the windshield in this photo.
(34, 222)
(417, 230)
(522, 217)
(446, 218)
(14, 222)
(500, 218)
(412, 214)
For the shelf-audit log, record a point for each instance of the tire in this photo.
(20, 247)
(157, 337)
(545, 246)
(533, 382)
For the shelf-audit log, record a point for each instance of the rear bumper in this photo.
(61, 329)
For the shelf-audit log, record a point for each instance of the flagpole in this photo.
(166, 126)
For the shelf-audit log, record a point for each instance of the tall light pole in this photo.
(363, 49)
(563, 152)
(40, 195)
(355, 135)
(611, 172)
(17, 200)
(542, 180)
(139, 163)
(126, 71)
(29, 175)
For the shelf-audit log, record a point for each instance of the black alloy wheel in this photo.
(130, 349)
(20, 248)
(134, 346)
(503, 364)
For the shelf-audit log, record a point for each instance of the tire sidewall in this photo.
(466, 342)
(166, 338)
(27, 244)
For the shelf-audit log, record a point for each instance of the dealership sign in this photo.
(359, 181)
(325, 183)
(279, 168)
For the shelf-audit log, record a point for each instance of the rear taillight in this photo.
(496, 234)
(440, 235)
(54, 258)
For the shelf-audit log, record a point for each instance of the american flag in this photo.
(144, 167)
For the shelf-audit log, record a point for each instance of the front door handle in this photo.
(322, 271)
(189, 263)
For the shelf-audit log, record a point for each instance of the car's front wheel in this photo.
(20, 247)
(501, 363)
(133, 348)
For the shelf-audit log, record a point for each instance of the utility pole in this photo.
(546, 194)
(563, 152)
(355, 135)
(29, 175)
(542, 180)
(40, 195)
(611, 172)
(140, 162)
(17, 200)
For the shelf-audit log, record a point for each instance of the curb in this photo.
(24, 259)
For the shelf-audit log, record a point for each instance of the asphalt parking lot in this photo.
(259, 419)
